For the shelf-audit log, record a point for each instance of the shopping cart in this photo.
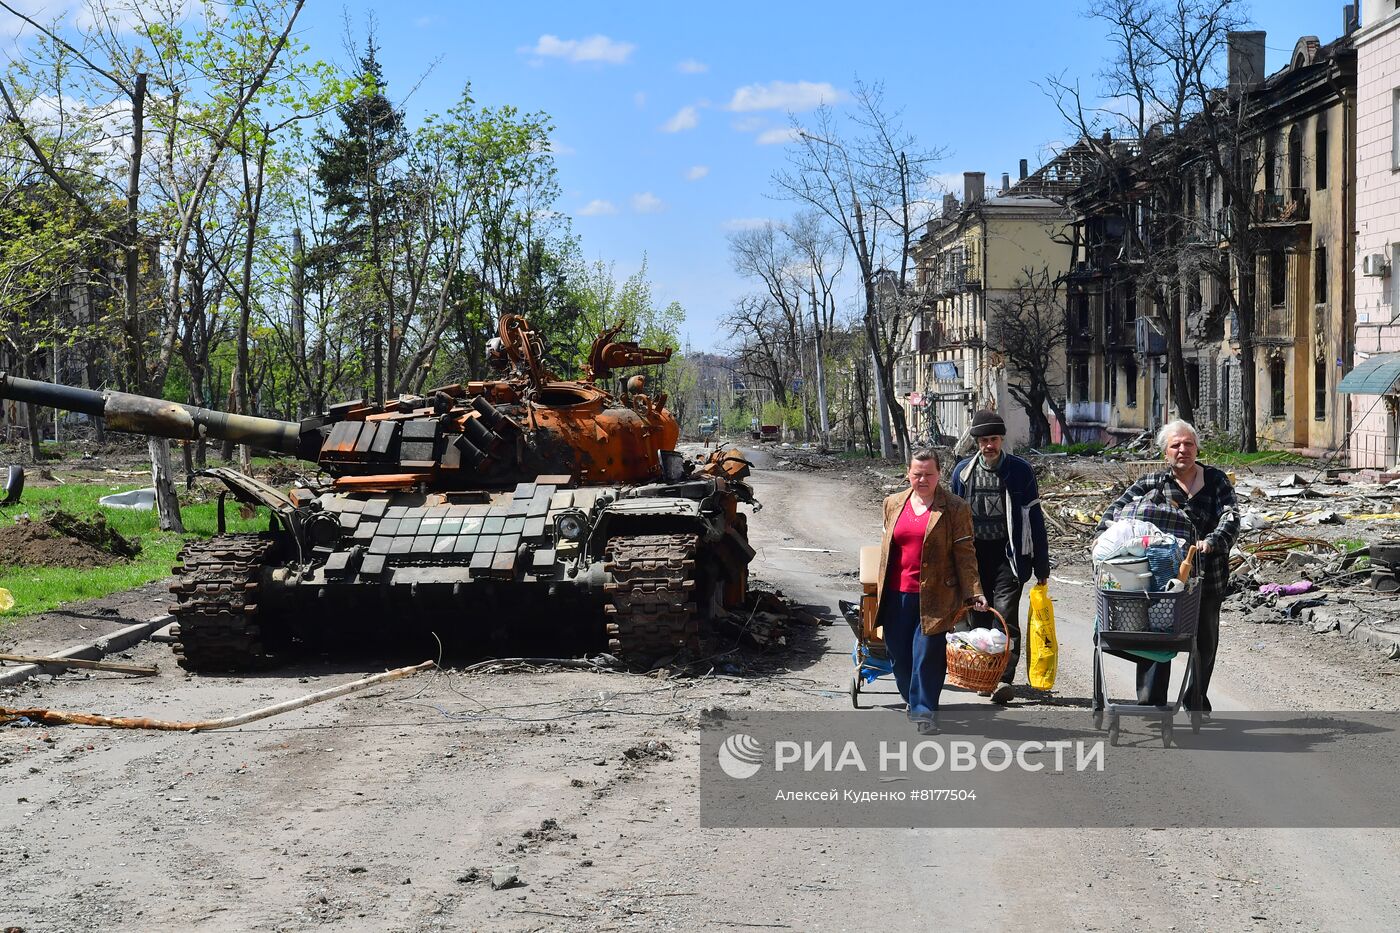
(1139, 626)
(871, 658)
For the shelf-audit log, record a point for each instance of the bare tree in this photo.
(1029, 328)
(824, 259)
(867, 185)
(1167, 127)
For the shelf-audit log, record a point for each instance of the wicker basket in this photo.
(976, 670)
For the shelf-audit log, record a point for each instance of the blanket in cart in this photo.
(870, 667)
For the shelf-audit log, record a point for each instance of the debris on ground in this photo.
(805, 459)
(650, 749)
(506, 876)
(61, 539)
(140, 499)
(14, 485)
(764, 618)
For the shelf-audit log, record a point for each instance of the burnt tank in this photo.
(457, 511)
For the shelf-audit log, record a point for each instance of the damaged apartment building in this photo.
(1157, 241)
(978, 252)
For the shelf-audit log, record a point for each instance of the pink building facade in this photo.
(1374, 382)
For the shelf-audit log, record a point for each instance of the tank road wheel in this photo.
(651, 611)
(217, 610)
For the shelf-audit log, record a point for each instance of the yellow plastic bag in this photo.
(1040, 639)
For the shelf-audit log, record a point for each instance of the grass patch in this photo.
(40, 589)
(1221, 457)
(1082, 449)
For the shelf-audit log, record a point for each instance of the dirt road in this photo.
(389, 810)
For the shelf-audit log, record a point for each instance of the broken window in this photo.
(1225, 394)
(1320, 390)
(1320, 274)
(1080, 378)
(1277, 389)
(1295, 157)
(1320, 153)
(1278, 278)
(1130, 381)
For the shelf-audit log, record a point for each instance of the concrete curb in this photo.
(1367, 633)
(119, 640)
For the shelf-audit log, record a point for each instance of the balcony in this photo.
(947, 280)
(1208, 229)
(1081, 338)
(1119, 333)
(1151, 337)
(952, 335)
(927, 340)
(1281, 206)
(1274, 325)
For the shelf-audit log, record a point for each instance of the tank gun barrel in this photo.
(140, 414)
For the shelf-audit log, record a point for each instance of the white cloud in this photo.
(647, 203)
(691, 67)
(560, 149)
(591, 49)
(777, 137)
(750, 124)
(640, 99)
(121, 18)
(423, 22)
(685, 119)
(597, 208)
(696, 172)
(746, 223)
(784, 95)
(943, 183)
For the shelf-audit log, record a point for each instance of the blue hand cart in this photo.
(871, 658)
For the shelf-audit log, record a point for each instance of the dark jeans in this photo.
(1153, 677)
(920, 661)
(1002, 588)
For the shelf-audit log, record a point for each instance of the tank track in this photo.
(650, 609)
(217, 590)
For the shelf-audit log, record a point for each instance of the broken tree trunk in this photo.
(114, 666)
(167, 502)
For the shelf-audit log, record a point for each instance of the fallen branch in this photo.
(113, 666)
(58, 718)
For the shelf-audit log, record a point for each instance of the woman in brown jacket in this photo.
(928, 571)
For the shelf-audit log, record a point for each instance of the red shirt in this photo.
(907, 548)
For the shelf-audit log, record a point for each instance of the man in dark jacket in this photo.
(1008, 525)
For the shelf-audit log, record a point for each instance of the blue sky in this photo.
(662, 108)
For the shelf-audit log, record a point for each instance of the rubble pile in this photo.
(61, 539)
(765, 617)
(788, 457)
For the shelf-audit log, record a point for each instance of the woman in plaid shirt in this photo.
(1204, 502)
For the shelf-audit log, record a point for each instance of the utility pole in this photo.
(822, 416)
(299, 309)
(886, 448)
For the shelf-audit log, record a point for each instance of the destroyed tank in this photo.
(458, 511)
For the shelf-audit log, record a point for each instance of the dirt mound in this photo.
(60, 539)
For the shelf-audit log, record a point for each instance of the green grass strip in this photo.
(41, 589)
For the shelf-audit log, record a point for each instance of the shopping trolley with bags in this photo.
(1151, 626)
